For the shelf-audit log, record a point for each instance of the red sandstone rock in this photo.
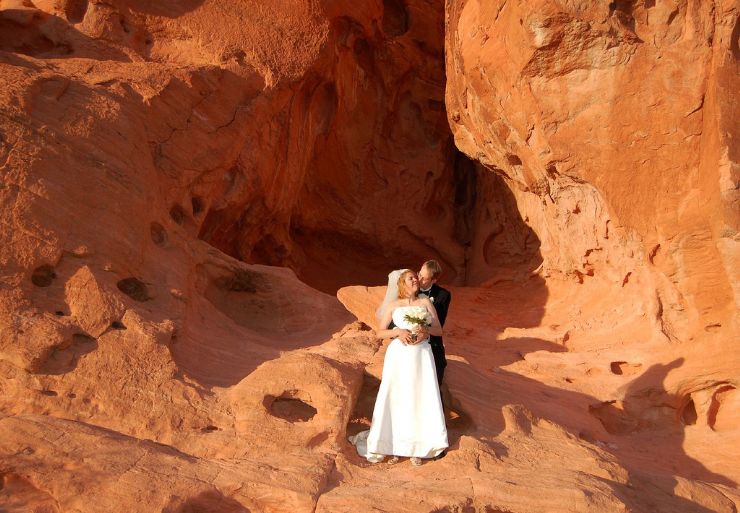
(145, 144)
(611, 125)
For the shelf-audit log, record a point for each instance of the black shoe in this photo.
(440, 455)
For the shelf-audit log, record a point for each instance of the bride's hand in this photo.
(405, 337)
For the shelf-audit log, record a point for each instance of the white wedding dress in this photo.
(408, 419)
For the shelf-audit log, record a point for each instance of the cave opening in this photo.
(375, 181)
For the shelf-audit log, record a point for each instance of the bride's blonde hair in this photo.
(402, 292)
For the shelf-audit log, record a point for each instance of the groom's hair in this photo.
(402, 292)
(434, 268)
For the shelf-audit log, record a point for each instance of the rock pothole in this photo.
(134, 288)
(290, 406)
(621, 368)
(43, 276)
(178, 214)
(158, 233)
(210, 501)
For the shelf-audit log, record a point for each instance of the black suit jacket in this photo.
(440, 298)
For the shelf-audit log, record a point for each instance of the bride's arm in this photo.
(404, 335)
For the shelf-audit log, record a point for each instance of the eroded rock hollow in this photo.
(187, 185)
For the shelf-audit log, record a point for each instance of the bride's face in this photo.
(412, 283)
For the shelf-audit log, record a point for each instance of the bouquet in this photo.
(418, 316)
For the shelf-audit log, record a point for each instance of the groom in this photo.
(440, 298)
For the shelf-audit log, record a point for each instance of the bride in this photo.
(408, 419)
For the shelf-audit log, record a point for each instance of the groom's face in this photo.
(425, 278)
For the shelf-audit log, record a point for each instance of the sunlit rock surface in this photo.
(186, 184)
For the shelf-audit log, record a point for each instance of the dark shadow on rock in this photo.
(19, 491)
(106, 433)
(266, 322)
(501, 244)
(362, 414)
(336, 250)
(655, 493)
(45, 36)
(356, 159)
(457, 420)
(645, 490)
(512, 296)
(63, 359)
(666, 414)
(211, 501)
(513, 349)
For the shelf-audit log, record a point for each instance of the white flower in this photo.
(418, 315)
(417, 311)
